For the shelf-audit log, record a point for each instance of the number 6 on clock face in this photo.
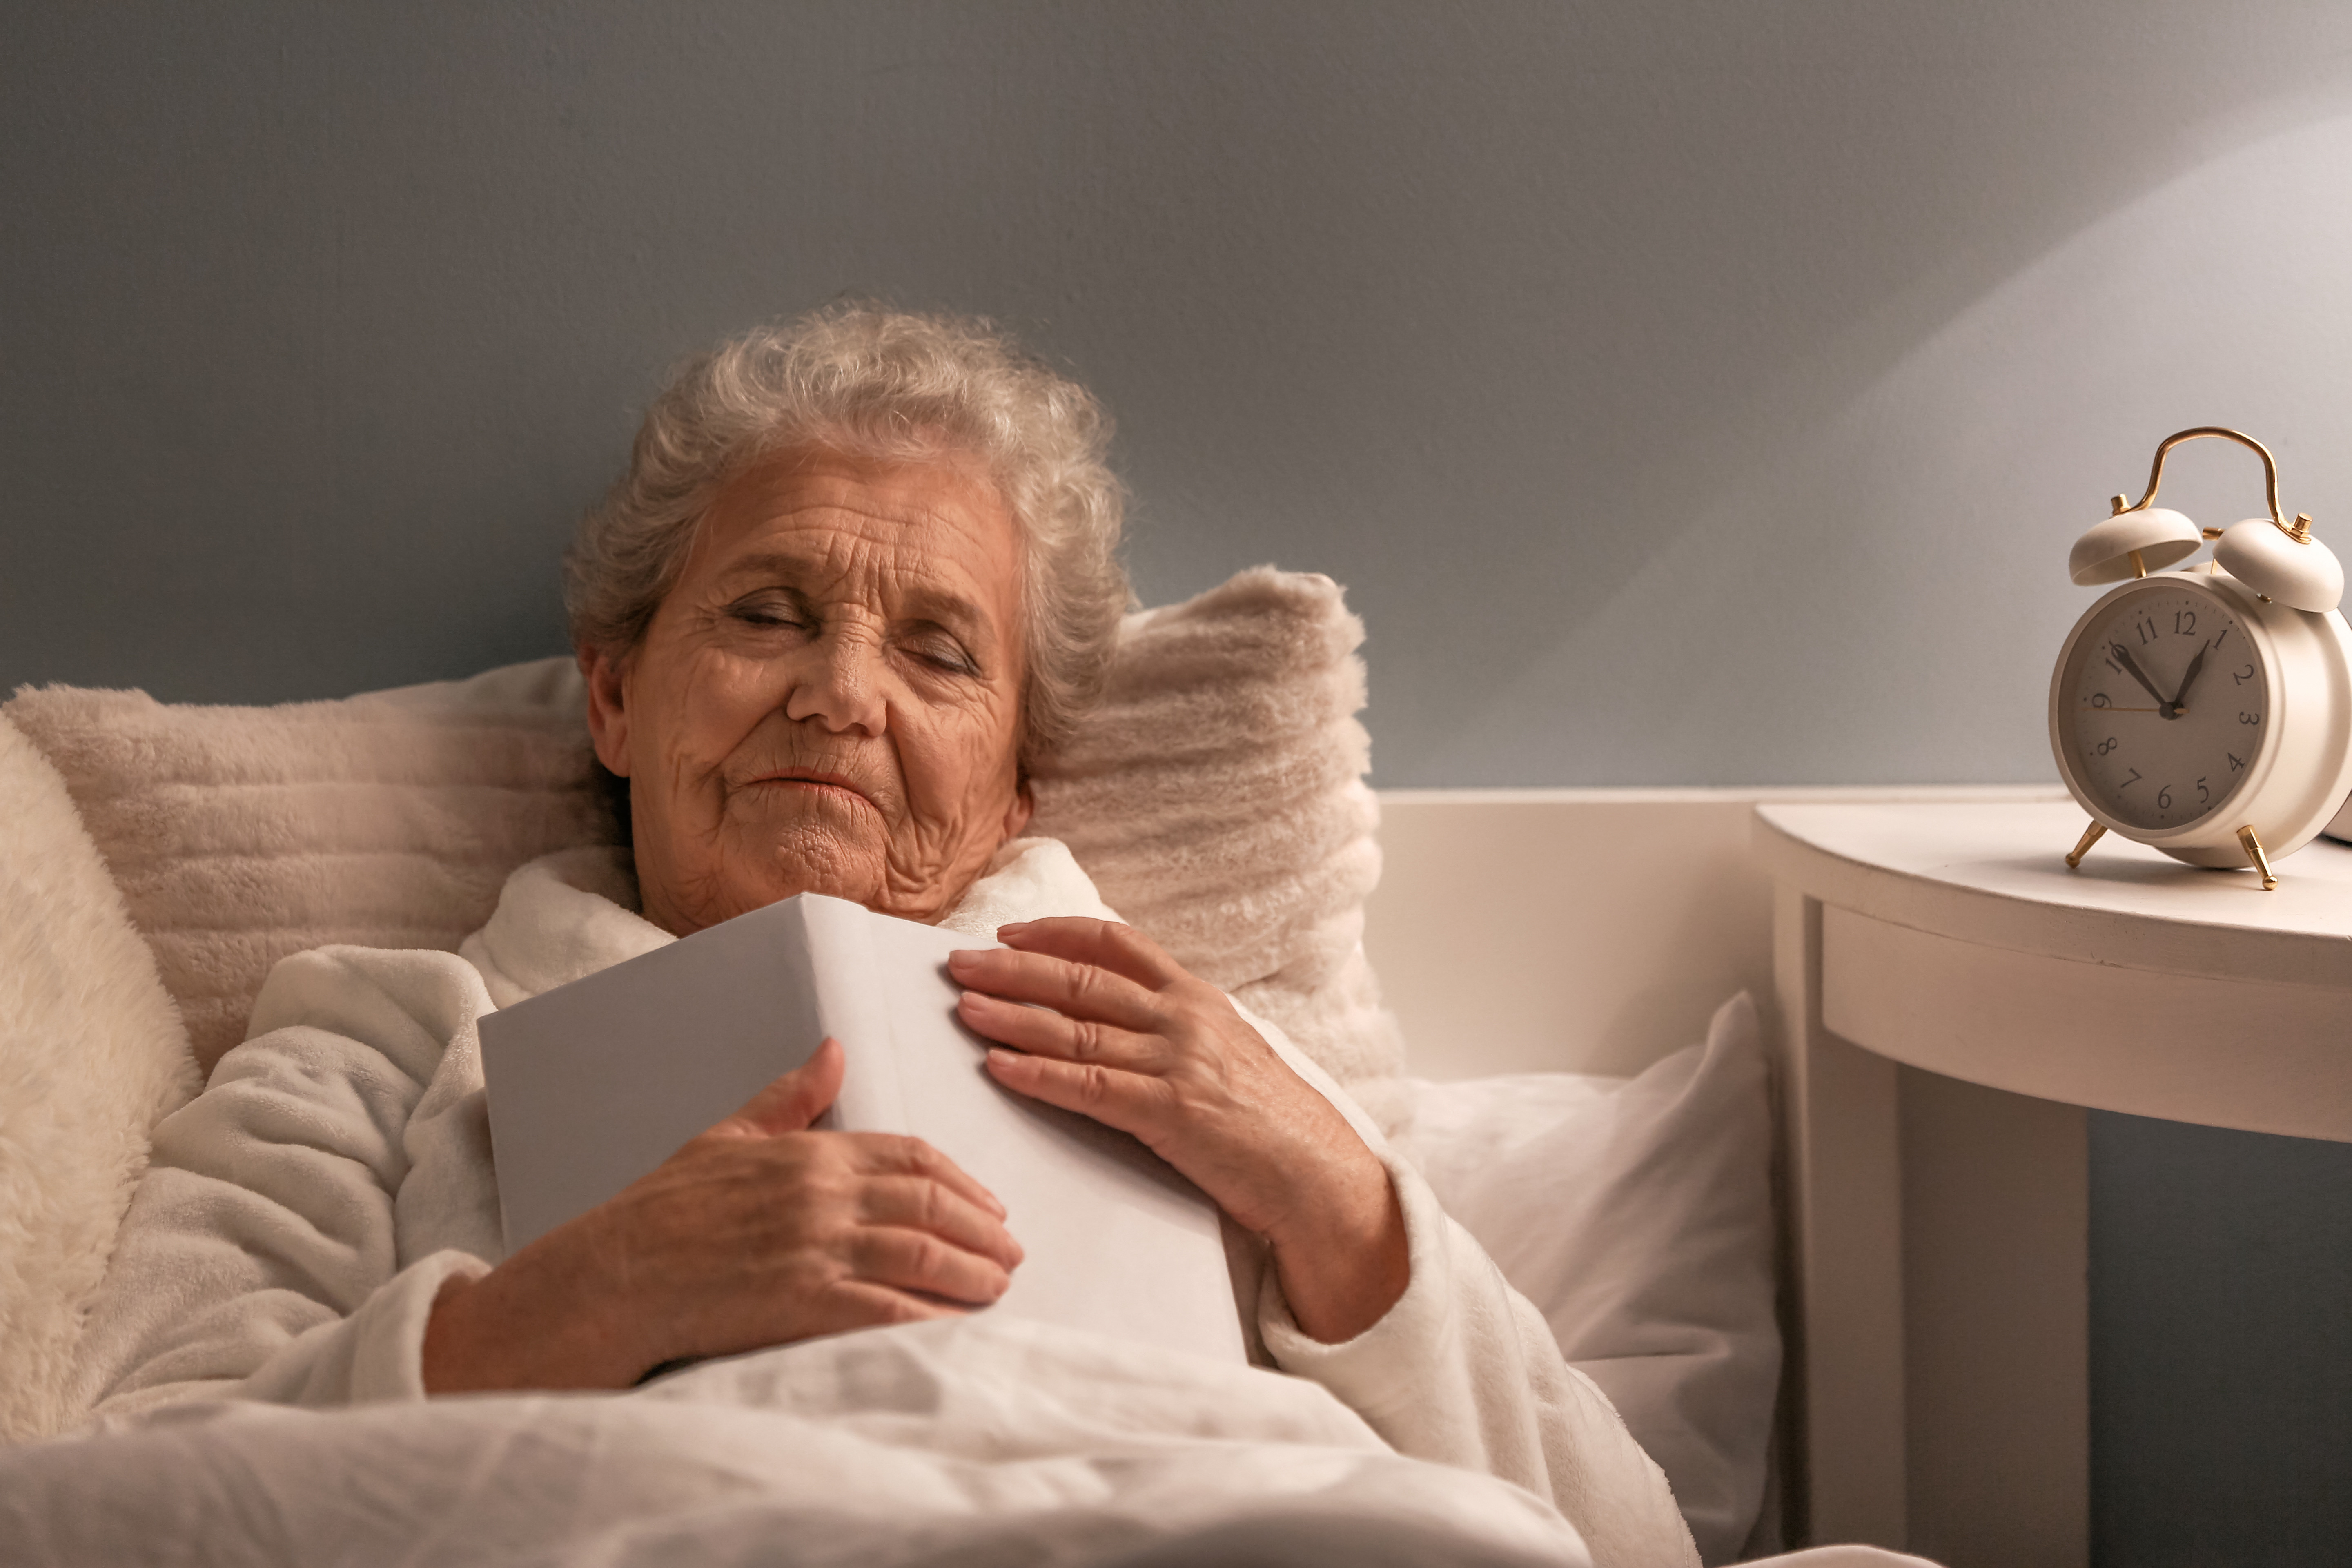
(2184, 707)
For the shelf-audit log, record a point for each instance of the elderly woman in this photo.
(859, 575)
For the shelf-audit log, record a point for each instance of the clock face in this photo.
(2167, 705)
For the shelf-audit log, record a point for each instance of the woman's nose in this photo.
(839, 684)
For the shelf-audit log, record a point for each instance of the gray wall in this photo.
(1687, 394)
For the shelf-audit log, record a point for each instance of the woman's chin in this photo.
(805, 858)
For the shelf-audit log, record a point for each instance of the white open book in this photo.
(593, 1084)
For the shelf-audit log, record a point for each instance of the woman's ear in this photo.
(1017, 814)
(608, 716)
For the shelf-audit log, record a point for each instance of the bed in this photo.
(1542, 998)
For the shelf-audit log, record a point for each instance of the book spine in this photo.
(852, 1009)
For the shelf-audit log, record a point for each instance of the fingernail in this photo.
(1012, 928)
(969, 999)
(961, 958)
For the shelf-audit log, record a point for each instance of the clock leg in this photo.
(2091, 836)
(2253, 847)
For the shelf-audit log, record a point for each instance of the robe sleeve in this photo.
(1463, 1370)
(261, 1256)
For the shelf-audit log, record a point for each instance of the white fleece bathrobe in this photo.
(300, 1216)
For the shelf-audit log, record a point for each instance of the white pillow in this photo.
(1636, 1215)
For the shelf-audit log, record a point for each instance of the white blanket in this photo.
(971, 1441)
(287, 1244)
(975, 1443)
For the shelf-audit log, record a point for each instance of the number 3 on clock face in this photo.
(2165, 700)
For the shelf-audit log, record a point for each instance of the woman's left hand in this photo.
(1137, 1043)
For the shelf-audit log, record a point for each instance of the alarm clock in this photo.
(2206, 711)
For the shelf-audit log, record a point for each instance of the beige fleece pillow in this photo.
(91, 1057)
(241, 835)
(1216, 796)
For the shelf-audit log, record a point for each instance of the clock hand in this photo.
(2179, 703)
(2131, 666)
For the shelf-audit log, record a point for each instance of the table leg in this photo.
(1937, 1390)
(1996, 1225)
(1843, 1182)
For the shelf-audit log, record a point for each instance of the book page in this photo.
(1116, 1240)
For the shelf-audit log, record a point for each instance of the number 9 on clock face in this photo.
(2165, 701)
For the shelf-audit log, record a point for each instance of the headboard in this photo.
(1574, 929)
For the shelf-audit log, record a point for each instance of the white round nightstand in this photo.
(1939, 1216)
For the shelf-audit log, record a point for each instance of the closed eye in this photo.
(937, 647)
(769, 609)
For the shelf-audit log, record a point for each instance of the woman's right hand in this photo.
(757, 1233)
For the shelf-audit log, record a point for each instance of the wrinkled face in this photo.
(829, 699)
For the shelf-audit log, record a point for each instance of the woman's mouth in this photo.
(823, 783)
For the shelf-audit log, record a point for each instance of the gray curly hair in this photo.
(898, 387)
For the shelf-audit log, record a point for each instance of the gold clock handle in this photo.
(2298, 531)
(2091, 836)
